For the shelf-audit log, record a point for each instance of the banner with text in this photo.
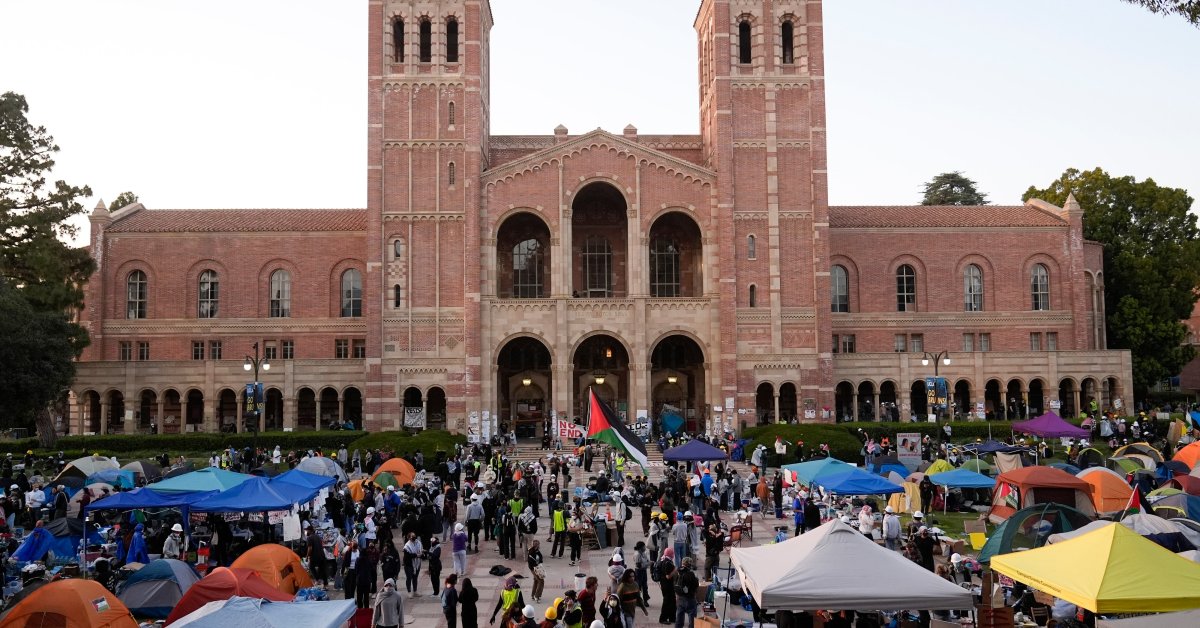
(568, 430)
(908, 449)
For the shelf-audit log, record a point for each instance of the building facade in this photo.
(494, 279)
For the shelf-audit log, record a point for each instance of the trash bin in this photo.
(602, 533)
(580, 581)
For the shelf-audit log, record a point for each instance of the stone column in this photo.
(854, 404)
(289, 413)
(183, 420)
(778, 419)
(103, 417)
(158, 418)
(1025, 399)
(341, 410)
(82, 414)
(878, 408)
(212, 422)
(241, 412)
(1075, 393)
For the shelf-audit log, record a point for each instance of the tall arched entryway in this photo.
(677, 379)
(843, 401)
(1016, 407)
(413, 410)
(274, 409)
(602, 364)
(435, 408)
(148, 411)
(194, 419)
(227, 410)
(306, 409)
(524, 386)
(676, 257)
(866, 401)
(993, 401)
(889, 407)
(788, 403)
(598, 242)
(352, 407)
(764, 403)
(963, 407)
(1037, 398)
(328, 407)
(116, 412)
(918, 400)
(523, 258)
(91, 419)
(1066, 394)
(1088, 391)
(172, 413)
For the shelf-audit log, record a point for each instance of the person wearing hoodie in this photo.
(527, 527)
(434, 556)
(412, 564)
(388, 610)
(458, 549)
(510, 598)
(137, 546)
(468, 598)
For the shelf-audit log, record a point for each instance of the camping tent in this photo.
(157, 587)
(978, 465)
(61, 536)
(939, 466)
(1177, 505)
(277, 565)
(961, 478)
(148, 471)
(93, 491)
(223, 583)
(1121, 464)
(1143, 448)
(1110, 492)
(1066, 467)
(1031, 527)
(1189, 455)
(693, 451)
(1028, 486)
(245, 612)
(1153, 527)
(1090, 457)
(120, 478)
(1186, 483)
(1049, 425)
(255, 495)
(809, 572)
(70, 603)
(1113, 570)
(85, 466)
(909, 500)
(398, 467)
(320, 465)
(206, 479)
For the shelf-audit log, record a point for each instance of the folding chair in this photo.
(977, 540)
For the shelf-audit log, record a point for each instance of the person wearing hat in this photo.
(925, 544)
(915, 525)
(891, 529)
(680, 537)
(173, 547)
(458, 549)
(551, 619)
(510, 599)
(388, 610)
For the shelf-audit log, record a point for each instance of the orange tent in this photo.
(1027, 486)
(398, 467)
(221, 584)
(70, 603)
(279, 566)
(1110, 492)
(1189, 455)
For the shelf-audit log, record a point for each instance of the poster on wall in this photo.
(414, 418)
(908, 449)
(980, 411)
(473, 433)
(487, 426)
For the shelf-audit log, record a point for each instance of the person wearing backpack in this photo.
(450, 600)
(641, 567)
(665, 573)
(624, 514)
(686, 585)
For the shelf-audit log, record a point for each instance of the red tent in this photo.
(1189, 484)
(1025, 487)
(221, 584)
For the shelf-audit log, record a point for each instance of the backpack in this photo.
(655, 571)
(684, 586)
(628, 512)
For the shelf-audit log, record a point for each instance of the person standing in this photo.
(680, 539)
(434, 556)
(348, 567)
(812, 515)
(587, 599)
(412, 564)
(389, 608)
(559, 526)
(714, 542)
(686, 586)
(508, 534)
(866, 522)
(511, 599)
(666, 582)
(533, 557)
(468, 599)
(641, 569)
(891, 529)
(474, 520)
(574, 533)
(777, 493)
(458, 549)
(629, 594)
(450, 601)
(367, 577)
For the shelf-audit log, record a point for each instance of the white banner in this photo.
(414, 418)
(908, 449)
(567, 430)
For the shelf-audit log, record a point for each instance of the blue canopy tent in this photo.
(807, 472)
(255, 495)
(693, 451)
(305, 479)
(856, 481)
(1195, 417)
(962, 478)
(146, 498)
(206, 479)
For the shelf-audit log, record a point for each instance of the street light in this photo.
(254, 364)
(941, 357)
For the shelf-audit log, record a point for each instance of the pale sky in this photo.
(262, 103)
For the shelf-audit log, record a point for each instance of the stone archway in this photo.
(843, 402)
(676, 253)
(601, 361)
(523, 257)
(435, 408)
(306, 409)
(352, 407)
(599, 246)
(524, 386)
(764, 403)
(677, 374)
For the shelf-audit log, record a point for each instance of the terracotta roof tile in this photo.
(926, 216)
(239, 220)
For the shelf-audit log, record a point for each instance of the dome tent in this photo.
(1028, 486)
(1031, 527)
(70, 603)
(277, 565)
(223, 583)
(157, 587)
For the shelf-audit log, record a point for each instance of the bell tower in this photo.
(427, 144)
(762, 122)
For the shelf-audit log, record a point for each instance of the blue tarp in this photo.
(1066, 467)
(1195, 417)
(808, 472)
(693, 451)
(207, 479)
(671, 422)
(856, 481)
(60, 536)
(119, 478)
(255, 495)
(962, 478)
(900, 469)
(304, 478)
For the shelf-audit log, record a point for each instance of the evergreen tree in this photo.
(952, 188)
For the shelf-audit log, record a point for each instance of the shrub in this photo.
(429, 442)
(76, 446)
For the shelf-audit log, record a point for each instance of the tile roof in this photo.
(239, 220)
(932, 216)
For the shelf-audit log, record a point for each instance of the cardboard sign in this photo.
(568, 430)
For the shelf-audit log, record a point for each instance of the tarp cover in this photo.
(223, 583)
(206, 479)
(1183, 618)
(855, 481)
(693, 451)
(962, 478)
(146, 498)
(320, 465)
(304, 478)
(61, 536)
(1050, 425)
(834, 566)
(807, 472)
(245, 612)
(255, 495)
(1110, 570)
(157, 587)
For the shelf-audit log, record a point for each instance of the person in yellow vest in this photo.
(510, 598)
(620, 468)
(559, 523)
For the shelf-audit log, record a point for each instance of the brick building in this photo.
(495, 278)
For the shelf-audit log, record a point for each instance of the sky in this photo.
(229, 103)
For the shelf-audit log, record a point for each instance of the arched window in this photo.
(753, 295)
(397, 296)
(528, 281)
(281, 294)
(597, 267)
(398, 249)
(789, 46)
(398, 40)
(135, 295)
(751, 247)
(664, 268)
(209, 294)
(906, 289)
(450, 114)
(744, 46)
(450, 173)
(1039, 287)
(352, 293)
(452, 41)
(972, 289)
(426, 43)
(839, 288)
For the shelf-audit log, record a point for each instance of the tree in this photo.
(35, 261)
(1187, 9)
(1151, 264)
(123, 199)
(38, 352)
(952, 188)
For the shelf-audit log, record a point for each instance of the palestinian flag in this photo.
(605, 426)
(1134, 507)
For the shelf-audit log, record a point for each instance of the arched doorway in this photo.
(116, 412)
(306, 409)
(1016, 403)
(524, 386)
(435, 409)
(918, 400)
(787, 403)
(172, 413)
(148, 411)
(195, 411)
(1087, 393)
(843, 402)
(274, 409)
(227, 411)
(676, 257)
(993, 401)
(963, 408)
(1066, 394)
(328, 407)
(866, 401)
(91, 419)
(1037, 398)
(889, 409)
(601, 363)
(677, 375)
(523, 258)
(764, 403)
(352, 407)
(598, 242)
(414, 408)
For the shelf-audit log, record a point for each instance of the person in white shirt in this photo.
(891, 529)
(866, 522)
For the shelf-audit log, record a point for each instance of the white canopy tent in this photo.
(836, 567)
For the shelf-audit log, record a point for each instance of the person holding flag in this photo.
(605, 426)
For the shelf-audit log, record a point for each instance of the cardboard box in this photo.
(707, 622)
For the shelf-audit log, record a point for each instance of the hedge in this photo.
(76, 446)
(429, 442)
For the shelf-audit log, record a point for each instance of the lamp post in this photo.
(939, 358)
(254, 364)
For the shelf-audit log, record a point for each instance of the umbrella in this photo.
(147, 470)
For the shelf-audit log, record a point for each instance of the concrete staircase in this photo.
(532, 451)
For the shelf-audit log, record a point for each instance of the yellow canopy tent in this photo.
(1110, 570)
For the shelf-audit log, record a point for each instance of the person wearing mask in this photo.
(173, 547)
(575, 529)
(434, 556)
(667, 573)
(468, 599)
(389, 562)
(714, 542)
(348, 567)
(510, 599)
(686, 585)
(368, 561)
(412, 564)
(388, 610)
(508, 534)
(641, 569)
(314, 551)
(450, 601)
(458, 549)
(527, 528)
(533, 558)
(925, 544)
(60, 501)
